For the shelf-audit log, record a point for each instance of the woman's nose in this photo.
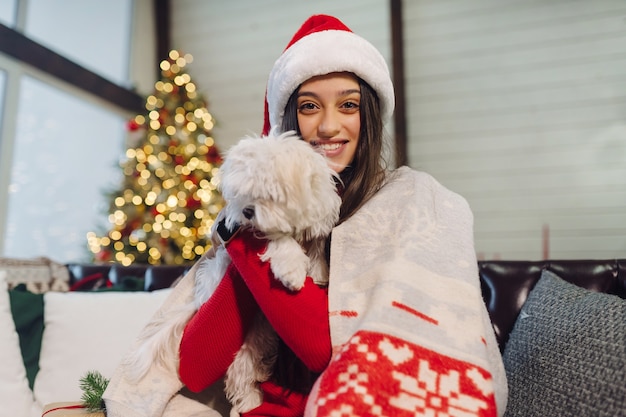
(330, 125)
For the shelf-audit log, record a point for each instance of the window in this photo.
(94, 34)
(61, 145)
(7, 12)
(64, 157)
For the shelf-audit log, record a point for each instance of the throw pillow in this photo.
(16, 398)
(27, 310)
(87, 331)
(566, 355)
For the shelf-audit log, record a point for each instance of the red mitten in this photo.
(216, 332)
(300, 318)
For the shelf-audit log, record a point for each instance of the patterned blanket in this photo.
(410, 332)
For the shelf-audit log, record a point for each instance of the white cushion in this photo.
(88, 331)
(16, 398)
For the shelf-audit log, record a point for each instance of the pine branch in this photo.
(93, 385)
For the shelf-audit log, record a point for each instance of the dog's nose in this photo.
(248, 212)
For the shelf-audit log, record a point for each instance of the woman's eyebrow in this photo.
(339, 94)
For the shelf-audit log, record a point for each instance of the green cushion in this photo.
(566, 355)
(27, 310)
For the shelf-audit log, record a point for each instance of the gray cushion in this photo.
(566, 355)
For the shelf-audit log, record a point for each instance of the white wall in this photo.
(521, 107)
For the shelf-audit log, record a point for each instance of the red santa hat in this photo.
(322, 45)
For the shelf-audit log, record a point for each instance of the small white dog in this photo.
(283, 188)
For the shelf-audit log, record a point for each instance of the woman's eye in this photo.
(306, 107)
(350, 105)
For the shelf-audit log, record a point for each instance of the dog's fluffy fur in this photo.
(283, 188)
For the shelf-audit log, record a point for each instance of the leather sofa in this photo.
(505, 284)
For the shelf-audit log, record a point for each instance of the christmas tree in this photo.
(168, 201)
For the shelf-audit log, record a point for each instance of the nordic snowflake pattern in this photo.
(380, 375)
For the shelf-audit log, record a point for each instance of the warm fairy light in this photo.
(150, 198)
(172, 201)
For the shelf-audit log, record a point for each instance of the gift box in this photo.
(69, 409)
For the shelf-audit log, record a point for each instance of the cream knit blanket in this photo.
(409, 328)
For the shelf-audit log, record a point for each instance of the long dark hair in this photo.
(366, 174)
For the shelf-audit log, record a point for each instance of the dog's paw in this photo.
(291, 276)
(250, 401)
(289, 263)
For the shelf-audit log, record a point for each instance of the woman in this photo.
(401, 329)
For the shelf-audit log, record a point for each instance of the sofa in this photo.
(560, 324)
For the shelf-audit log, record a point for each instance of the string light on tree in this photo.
(168, 201)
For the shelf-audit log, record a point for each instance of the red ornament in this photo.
(193, 203)
(104, 256)
(132, 125)
(213, 156)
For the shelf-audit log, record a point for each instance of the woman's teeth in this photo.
(330, 146)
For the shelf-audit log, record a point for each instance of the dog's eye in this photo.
(248, 212)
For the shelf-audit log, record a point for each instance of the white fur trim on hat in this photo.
(321, 53)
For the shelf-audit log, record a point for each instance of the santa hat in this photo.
(322, 45)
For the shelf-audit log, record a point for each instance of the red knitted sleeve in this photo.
(216, 332)
(300, 318)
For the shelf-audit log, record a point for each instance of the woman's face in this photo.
(329, 116)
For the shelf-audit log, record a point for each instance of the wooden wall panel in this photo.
(521, 107)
